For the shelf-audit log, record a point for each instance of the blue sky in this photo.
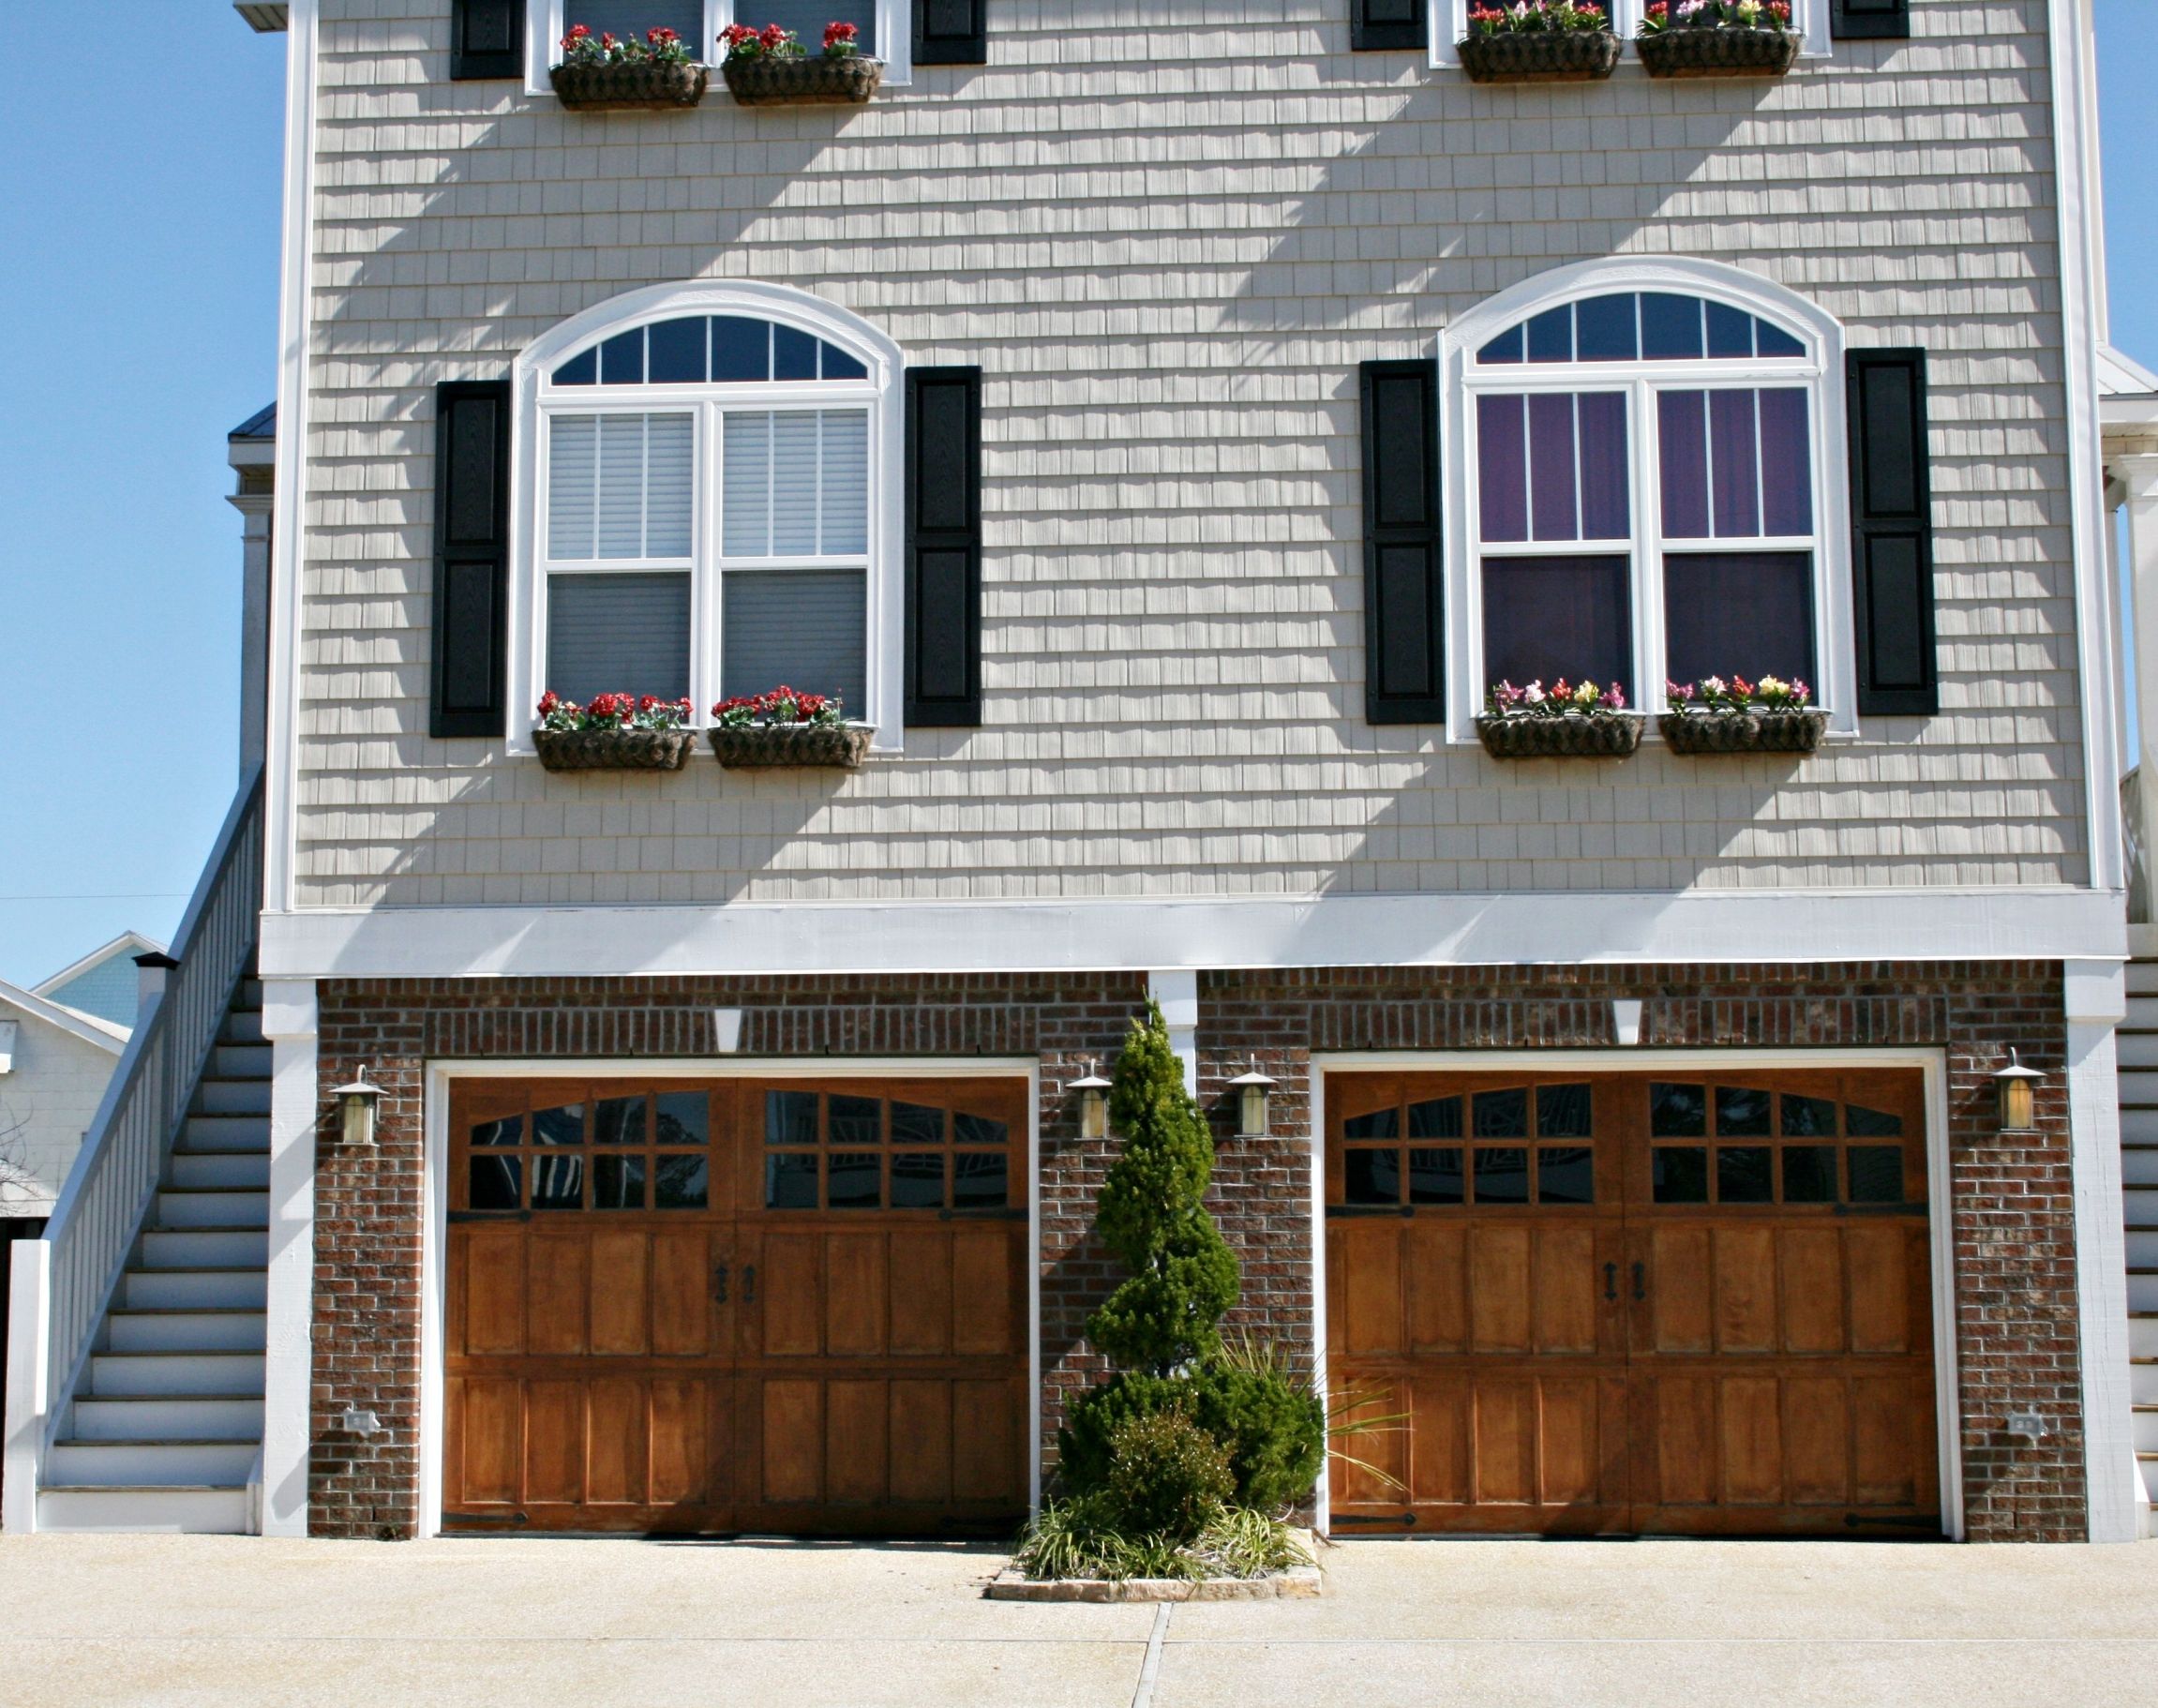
(139, 276)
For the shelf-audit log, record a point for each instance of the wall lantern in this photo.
(1093, 1103)
(1253, 1088)
(2018, 1095)
(356, 1108)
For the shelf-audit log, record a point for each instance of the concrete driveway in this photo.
(521, 1623)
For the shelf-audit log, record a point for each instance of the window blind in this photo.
(803, 628)
(620, 487)
(795, 483)
(807, 18)
(624, 18)
(625, 633)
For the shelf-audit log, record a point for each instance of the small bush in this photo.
(1074, 1538)
(1273, 1431)
(1167, 1476)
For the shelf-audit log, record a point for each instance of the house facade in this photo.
(1163, 433)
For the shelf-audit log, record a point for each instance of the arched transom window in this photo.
(707, 517)
(1644, 492)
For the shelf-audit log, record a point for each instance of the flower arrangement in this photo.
(1537, 18)
(1734, 715)
(771, 66)
(1713, 694)
(781, 705)
(841, 41)
(660, 47)
(612, 712)
(1664, 15)
(1503, 699)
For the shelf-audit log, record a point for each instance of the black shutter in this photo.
(1891, 531)
(1403, 633)
(1862, 20)
(487, 38)
(1390, 24)
(471, 556)
(950, 31)
(944, 546)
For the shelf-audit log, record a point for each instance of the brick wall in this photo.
(2012, 1205)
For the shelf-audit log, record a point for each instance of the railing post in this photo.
(29, 1337)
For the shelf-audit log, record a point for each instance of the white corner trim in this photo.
(2114, 1484)
(27, 1375)
(280, 780)
(290, 1023)
(2095, 990)
(1799, 927)
(1177, 990)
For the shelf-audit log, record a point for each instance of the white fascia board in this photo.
(90, 1028)
(1794, 927)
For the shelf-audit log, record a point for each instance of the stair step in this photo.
(241, 1061)
(213, 1207)
(169, 1330)
(206, 1248)
(247, 996)
(163, 1417)
(170, 1375)
(196, 1511)
(245, 1169)
(140, 1463)
(232, 1097)
(242, 1029)
(207, 1288)
(226, 1132)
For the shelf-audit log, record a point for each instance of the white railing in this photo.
(116, 1173)
(2138, 857)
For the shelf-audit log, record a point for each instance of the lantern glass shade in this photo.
(1093, 1104)
(2018, 1095)
(1253, 1088)
(356, 1109)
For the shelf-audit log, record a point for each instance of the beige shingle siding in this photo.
(1169, 244)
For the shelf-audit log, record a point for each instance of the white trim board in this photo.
(1796, 927)
(434, 1200)
(1940, 1233)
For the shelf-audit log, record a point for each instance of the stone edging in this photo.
(1298, 1582)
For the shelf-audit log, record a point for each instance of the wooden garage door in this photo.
(768, 1306)
(1616, 1304)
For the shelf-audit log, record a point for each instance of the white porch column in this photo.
(29, 1361)
(2137, 473)
(253, 501)
(1177, 991)
(290, 1023)
(2096, 1001)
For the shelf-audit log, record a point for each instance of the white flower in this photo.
(1533, 693)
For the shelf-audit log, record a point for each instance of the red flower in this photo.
(836, 33)
(606, 40)
(548, 701)
(734, 35)
(578, 33)
(661, 36)
(1741, 687)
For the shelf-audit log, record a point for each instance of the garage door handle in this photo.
(719, 1286)
(1640, 1282)
(1611, 1282)
(749, 1283)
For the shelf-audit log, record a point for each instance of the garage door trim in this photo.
(434, 1243)
(1931, 1063)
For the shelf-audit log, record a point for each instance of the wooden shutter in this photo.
(1891, 532)
(944, 546)
(1862, 20)
(471, 556)
(1403, 636)
(1390, 24)
(487, 38)
(950, 31)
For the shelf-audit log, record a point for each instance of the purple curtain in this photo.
(1502, 467)
(1786, 463)
(1606, 512)
(1682, 421)
(1746, 612)
(1554, 511)
(1734, 465)
(1545, 618)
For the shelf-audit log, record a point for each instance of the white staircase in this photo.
(163, 1432)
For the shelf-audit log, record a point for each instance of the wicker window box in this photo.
(809, 79)
(614, 749)
(769, 746)
(1574, 735)
(1540, 56)
(1754, 730)
(646, 86)
(1721, 51)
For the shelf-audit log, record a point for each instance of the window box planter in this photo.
(1749, 732)
(769, 746)
(802, 81)
(636, 86)
(1717, 51)
(1572, 735)
(614, 749)
(1540, 56)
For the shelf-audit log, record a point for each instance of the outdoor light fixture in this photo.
(357, 1421)
(2018, 1095)
(1254, 1089)
(356, 1108)
(1093, 1103)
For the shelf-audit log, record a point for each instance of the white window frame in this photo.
(881, 393)
(1810, 16)
(546, 21)
(1820, 372)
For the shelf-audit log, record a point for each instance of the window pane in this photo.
(1786, 463)
(1730, 331)
(1745, 612)
(507, 1130)
(835, 364)
(918, 1181)
(852, 1182)
(1809, 1117)
(1742, 1174)
(917, 1124)
(1872, 1123)
(676, 351)
(1774, 342)
(1566, 1175)
(1502, 1115)
(1502, 1175)
(790, 1181)
(1876, 1173)
(854, 1120)
(559, 1126)
(1681, 1174)
(1742, 1112)
(572, 484)
(558, 1183)
(791, 1118)
(1677, 1112)
(621, 359)
(495, 1183)
(741, 348)
(807, 628)
(679, 1183)
(1435, 1175)
(1505, 347)
(1545, 618)
(1437, 1117)
(794, 354)
(807, 18)
(617, 1121)
(845, 500)
(1682, 425)
(1606, 511)
(1502, 467)
(745, 484)
(1379, 1124)
(622, 502)
(1552, 335)
(1733, 465)
(1552, 511)
(978, 1180)
(978, 1129)
(794, 460)
(579, 370)
(686, 1117)
(1669, 326)
(619, 633)
(1604, 328)
(618, 1183)
(1372, 1177)
(621, 18)
(1563, 1112)
(1809, 1173)
(670, 499)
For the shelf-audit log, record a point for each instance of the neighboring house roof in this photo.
(2127, 391)
(263, 424)
(103, 982)
(91, 1028)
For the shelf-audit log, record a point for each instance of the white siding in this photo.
(47, 1102)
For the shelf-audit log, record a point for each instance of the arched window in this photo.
(1644, 484)
(707, 501)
